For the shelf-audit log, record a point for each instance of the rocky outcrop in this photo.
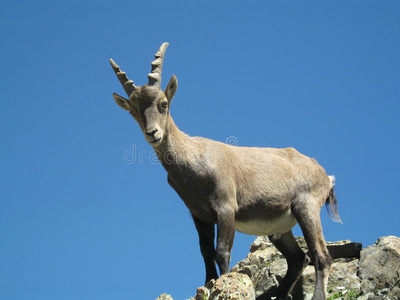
(369, 274)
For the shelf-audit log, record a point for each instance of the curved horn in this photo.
(128, 85)
(156, 66)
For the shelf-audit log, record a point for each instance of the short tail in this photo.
(332, 202)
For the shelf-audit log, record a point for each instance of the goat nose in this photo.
(151, 132)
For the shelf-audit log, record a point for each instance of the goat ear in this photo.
(171, 88)
(122, 102)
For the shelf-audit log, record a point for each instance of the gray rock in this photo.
(232, 286)
(394, 293)
(265, 265)
(202, 293)
(164, 297)
(379, 265)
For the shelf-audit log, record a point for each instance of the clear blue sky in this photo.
(79, 222)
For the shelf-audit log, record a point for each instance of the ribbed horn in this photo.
(156, 66)
(128, 85)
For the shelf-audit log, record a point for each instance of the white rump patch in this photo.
(332, 179)
(280, 224)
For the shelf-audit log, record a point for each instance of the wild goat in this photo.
(257, 191)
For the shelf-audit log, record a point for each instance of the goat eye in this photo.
(164, 105)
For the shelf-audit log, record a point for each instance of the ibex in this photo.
(257, 191)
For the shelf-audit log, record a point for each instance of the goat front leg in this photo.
(206, 233)
(225, 237)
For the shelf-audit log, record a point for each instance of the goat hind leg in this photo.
(296, 259)
(307, 213)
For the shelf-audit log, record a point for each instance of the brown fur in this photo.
(239, 188)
